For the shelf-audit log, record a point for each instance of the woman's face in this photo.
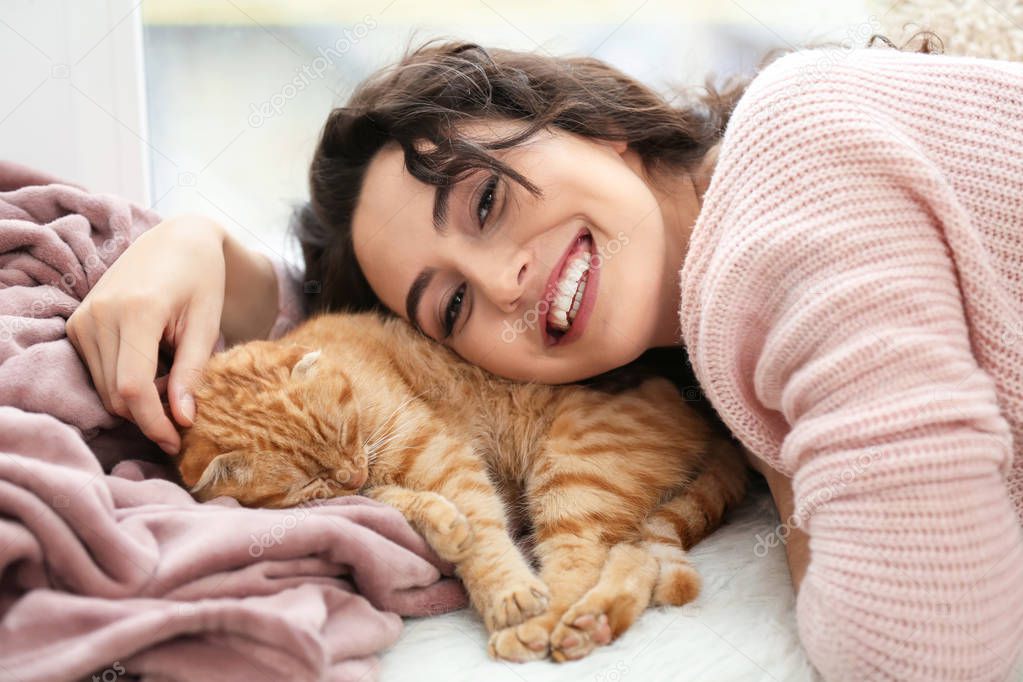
(551, 288)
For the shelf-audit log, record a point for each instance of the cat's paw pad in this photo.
(520, 643)
(514, 605)
(579, 634)
(450, 533)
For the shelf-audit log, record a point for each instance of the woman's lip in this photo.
(548, 296)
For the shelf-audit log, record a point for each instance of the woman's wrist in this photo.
(250, 283)
(797, 546)
(250, 293)
(796, 542)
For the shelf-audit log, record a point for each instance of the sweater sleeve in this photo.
(849, 349)
(898, 455)
(290, 304)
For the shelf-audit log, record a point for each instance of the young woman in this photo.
(840, 255)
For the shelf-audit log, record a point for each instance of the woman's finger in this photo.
(108, 342)
(198, 340)
(135, 380)
(89, 351)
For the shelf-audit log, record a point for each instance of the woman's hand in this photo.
(169, 285)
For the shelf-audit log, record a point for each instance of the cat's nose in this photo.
(352, 480)
(358, 479)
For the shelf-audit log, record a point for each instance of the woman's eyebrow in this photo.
(440, 208)
(415, 295)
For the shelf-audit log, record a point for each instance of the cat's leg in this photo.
(625, 590)
(501, 585)
(655, 569)
(437, 518)
(611, 606)
(677, 582)
(586, 500)
(582, 504)
(571, 558)
(690, 516)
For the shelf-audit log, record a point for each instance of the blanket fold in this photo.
(105, 562)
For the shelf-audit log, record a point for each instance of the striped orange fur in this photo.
(611, 489)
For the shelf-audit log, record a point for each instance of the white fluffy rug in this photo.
(742, 627)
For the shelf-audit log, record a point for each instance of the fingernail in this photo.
(188, 406)
(168, 448)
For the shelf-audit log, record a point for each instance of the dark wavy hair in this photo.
(433, 88)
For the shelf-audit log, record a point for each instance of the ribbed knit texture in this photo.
(852, 305)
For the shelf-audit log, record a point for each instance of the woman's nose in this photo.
(501, 275)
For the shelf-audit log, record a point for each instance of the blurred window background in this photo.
(234, 92)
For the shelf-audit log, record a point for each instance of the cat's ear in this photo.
(301, 359)
(231, 467)
(306, 365)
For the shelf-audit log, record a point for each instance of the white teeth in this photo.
(575, 306)
(568, 293)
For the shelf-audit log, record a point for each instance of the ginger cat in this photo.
(612, 488)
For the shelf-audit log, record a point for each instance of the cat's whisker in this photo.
(390, 450)
(394, 432)
(387, 420)
(382, 444)
(383, 441)
(386, 438)
(374, 449)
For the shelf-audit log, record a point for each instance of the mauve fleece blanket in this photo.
(123, 573)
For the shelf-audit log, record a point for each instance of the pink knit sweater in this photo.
(852, 303)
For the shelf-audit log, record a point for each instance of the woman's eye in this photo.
(486, 200)
(453, 308)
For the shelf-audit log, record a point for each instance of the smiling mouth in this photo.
(566, 293)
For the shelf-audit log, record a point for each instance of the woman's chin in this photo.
(600, 361)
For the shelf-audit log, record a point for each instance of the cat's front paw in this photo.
(578, 634)
(513, 605)
(521, 643)
(448, 531)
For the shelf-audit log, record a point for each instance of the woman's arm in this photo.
(797, 548)
(250, 293)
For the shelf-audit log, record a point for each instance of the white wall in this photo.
(71, 92)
